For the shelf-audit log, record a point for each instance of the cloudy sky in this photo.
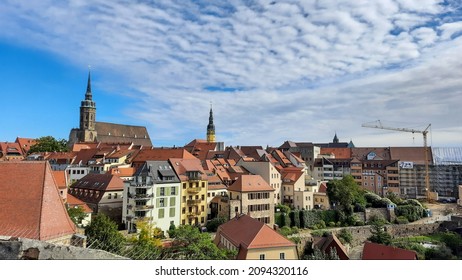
(273, 70)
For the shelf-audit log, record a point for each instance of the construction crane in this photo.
(378, 124)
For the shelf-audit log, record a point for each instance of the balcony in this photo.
(140, 196)
(193, 190)
(133, 218)
(194, 213)
(140, 207)
(140, 186)
(193, 201)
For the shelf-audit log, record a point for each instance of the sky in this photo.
(273, 70)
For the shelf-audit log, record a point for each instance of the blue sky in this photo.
(274, 70)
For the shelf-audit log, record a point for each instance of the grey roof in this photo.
(121, 133)
(159, 170)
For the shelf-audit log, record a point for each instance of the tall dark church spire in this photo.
(88, 95)
(335, 138)
(211, 127)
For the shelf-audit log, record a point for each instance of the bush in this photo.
(410, 211)
(359, 223)
(345, 236)
(401, 220)
(309, 218)
(331, 224)
(321, 224)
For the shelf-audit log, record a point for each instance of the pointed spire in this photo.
(88, 95)
(211, 127)
(335, 138)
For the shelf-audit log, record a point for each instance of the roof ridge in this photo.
(42, 192)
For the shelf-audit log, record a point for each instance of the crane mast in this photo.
(378, 124)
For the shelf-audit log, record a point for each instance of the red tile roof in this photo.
(10, 148)
(26, 143)
(122, 171)
(338, 152)
(73, 201)
(413, 154)
(250, 183)
(181, 166)
(61, 178)
(200, 148)
(326, 244)
(247, 233)
(374, 251)
(31, 206)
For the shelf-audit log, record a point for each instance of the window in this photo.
(109, 196)
(171, 212)
(115, 195)
(161, 213)
(172, 201)
(173, 191)
(161, 202)
(162, 191)
(262, 256)
(282, 256)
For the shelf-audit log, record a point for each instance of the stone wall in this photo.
(28, 249)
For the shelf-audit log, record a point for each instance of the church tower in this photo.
(335, 140)
(87, 131)
(211, 128)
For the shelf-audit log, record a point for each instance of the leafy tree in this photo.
(442, 252)
(213, 224)
(147, 245)
(102, 234)
(379, 235)
(453, 241)
(76, 214)
(191, 244)
(345, 193)
(320, 255)
(49, 144)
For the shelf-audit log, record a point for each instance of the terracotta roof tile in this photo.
(73, 201)
(41, 214)
(247, 233)
(250, 183)
(374, 251)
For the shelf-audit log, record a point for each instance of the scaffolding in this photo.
(446, 171)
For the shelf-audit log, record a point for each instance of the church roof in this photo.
(121, 133)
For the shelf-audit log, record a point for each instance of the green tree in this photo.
(320, 255)
(49, 144)
(147, 244)
(191, 244)
(344, 194)
(213, 224)
(102, 234)
(76, 214)
(379, 235)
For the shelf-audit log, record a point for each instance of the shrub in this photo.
(331, 224)
(345, 236)
(402, 220)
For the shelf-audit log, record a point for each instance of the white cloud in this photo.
(303, 69)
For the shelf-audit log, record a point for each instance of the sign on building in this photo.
(406, 164)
